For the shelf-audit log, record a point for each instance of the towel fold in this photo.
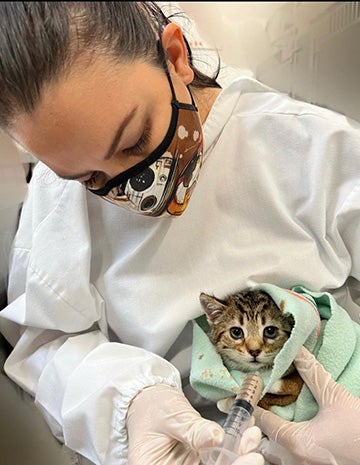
(321, 325)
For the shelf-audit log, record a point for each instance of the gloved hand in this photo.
(332, 437)
(164, 429)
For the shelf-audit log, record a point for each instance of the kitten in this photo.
(248, 330)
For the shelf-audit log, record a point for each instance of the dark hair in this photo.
(39, 41)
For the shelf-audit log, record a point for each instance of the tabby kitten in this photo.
(248, 330)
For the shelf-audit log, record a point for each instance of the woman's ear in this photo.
(174, 45)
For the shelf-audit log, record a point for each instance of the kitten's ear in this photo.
(213, 307)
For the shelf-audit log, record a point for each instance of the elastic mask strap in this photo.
(161, 53)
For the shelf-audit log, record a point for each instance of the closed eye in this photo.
(91, 182)
(141, 144)
(95, 180)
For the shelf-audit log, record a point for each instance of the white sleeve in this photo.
(56, 322)
(98, 393)
(83, 384)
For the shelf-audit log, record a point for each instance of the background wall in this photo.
(12, 191)
(236, 29)
(316, 56)
(309, 50)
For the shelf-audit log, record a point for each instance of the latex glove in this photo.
(164, 429)
(332, 437)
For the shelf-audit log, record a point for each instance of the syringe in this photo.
(238, 420)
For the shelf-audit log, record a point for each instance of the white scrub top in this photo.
(99, 296)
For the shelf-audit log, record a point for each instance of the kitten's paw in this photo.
(277, 387)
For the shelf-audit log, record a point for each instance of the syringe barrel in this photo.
(240, 412)
(251, 389)
(237, 420)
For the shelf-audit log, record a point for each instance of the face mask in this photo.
(162, 183)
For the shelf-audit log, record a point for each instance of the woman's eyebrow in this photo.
(112, 148)
(118, 134)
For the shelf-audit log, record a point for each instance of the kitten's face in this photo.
(248, 329)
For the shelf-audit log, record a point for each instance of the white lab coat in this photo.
(102, 295)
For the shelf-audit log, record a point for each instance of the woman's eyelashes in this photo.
(140, 145)
(97, 177)
(92, 181)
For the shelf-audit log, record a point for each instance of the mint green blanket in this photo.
(321, 325)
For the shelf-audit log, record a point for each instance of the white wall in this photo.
(309, 50)
(13, 189)
(236, 29)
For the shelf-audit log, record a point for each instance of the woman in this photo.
(106, 95)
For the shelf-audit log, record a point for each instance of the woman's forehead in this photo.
(102, 81)
(88, 100)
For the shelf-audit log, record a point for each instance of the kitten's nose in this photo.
(254, 352)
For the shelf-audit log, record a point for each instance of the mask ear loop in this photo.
(163, 61)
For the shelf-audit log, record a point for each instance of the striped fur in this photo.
(248, 330)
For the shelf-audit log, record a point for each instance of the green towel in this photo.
(321, 325)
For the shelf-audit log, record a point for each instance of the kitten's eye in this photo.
(270, 332)
(236, 332)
